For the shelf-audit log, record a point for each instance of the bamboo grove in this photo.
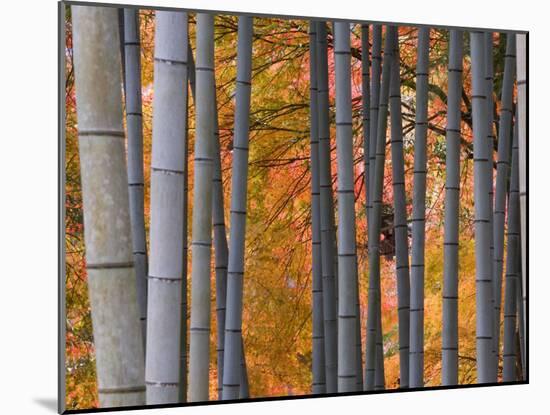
(406, 187)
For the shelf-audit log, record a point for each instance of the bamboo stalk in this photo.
(503, 163)
(107, 230)
(488, 50)
(484, 311)
(183, 309)
(167, 207)
(452, 210)
(374, 332)
(366, 107)
(199, 330)
(416, 351)
(220, 250)
(521, 61)
(512, 267)
(318, 336)
(400, 219)
(233, 323)
(134, 123)
(327, 215)
(347, 270)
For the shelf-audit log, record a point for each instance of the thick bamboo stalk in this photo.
(503, 163)
(233, 323)
(199, 330)
(416, 352)
(347, 265)
(167, 208)
(374, 334)
(449, 374)
(326, 214)
(134, 125)
(484, 311)
(400, 219)
(107, 233)
(318, 336)
(521, 62)
(512, 265)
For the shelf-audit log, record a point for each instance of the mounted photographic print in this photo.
(261, 207)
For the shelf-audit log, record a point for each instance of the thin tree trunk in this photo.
(167, 209)
(199, 356)
(134, 125)
(512, 263)
(452, 208)
(326, 215)
(233, 323)
(318, 338)
(111, 278)
(503, 163)
(400, 219)
(521, 44)
(484, 311)
(416, 374)
(347, 265)
(374, 332)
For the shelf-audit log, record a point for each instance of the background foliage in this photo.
(277, 296)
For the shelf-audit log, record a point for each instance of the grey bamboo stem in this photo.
(220, 250)
(449, 374)
(318, 337)
(107, 233)
(233, 323)
(375, 98)
(488, 50)
(503, 163)
(373, 110)
(182, 394)
(484, 310)
(366, 107)
(243, 387)
(347, 265)
(416, 352)
(400, 219)
(512, 267)
(374, 332)
(199, 330)
(326, 215)
(521, 44)
(167, 208)
(134, 125)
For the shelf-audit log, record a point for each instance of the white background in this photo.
(28, 211)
